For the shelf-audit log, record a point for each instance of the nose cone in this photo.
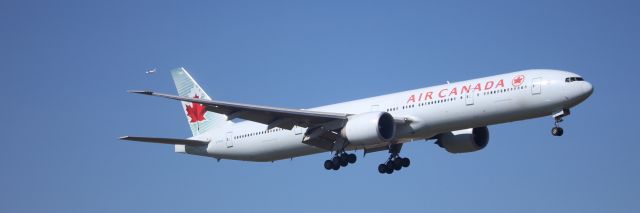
(587, 89)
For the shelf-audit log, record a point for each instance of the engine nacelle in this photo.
(466, 140)
(369, 128)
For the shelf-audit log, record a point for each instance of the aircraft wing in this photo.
(166, 140)
(322, 127)
(271, 116)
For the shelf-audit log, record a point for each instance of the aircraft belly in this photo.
(265, 149)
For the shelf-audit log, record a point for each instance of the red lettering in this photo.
(440, 93)
(428, 95)
(454, 91)
(465, 88)
(478, 87)
(500, 83)
(420, 97)
(488, 85)
(412, 98)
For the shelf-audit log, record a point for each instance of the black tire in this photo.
(382, 168)
(328, 165)
(336, 166)
(397, 164)
(351, 158)
(406, 162)
(557, 131)
(335, 161)
(390, 165)
(343, 157)
(389, 171)
(343, 162)
(397, 167)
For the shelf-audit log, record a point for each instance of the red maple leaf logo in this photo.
(196, 111)
(518, 80)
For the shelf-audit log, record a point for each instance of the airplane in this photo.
(455, 115)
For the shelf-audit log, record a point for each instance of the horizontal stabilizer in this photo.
(187, 142)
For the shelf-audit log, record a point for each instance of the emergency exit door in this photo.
(536, 87)
(229, 139)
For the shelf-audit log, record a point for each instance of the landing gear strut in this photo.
(340, 160)
(395, 162)
(557, 130)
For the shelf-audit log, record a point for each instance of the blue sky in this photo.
(67, 65)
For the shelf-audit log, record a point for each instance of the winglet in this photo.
(144, 92)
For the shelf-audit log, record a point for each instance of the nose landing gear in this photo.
(557, 130)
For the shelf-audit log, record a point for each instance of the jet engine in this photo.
(369, 128)
(466, 140)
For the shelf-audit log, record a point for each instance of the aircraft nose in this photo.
(587, 89)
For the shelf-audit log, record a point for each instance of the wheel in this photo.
(389, 170)
(557, 131)
(397, 164)
(336, 166)
(335, 161)
(382, 168)
(351, 158)
(406, 162)
(343, 161)
(328, 164)
(343, 157)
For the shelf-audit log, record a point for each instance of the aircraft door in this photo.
(536, 87)
(229, 139)
(468, 98)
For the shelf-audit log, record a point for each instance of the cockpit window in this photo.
(572, 79)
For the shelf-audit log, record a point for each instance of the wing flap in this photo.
(188, 142)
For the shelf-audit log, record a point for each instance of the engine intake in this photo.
(466, 140)
(369, 128)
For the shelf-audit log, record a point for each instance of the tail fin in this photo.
(200, 120)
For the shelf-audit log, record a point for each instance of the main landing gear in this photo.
(395, 162)
(557, 130)
(340, 160)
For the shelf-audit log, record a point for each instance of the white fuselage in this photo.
(431, 110)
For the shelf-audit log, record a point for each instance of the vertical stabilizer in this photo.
(200, 120)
